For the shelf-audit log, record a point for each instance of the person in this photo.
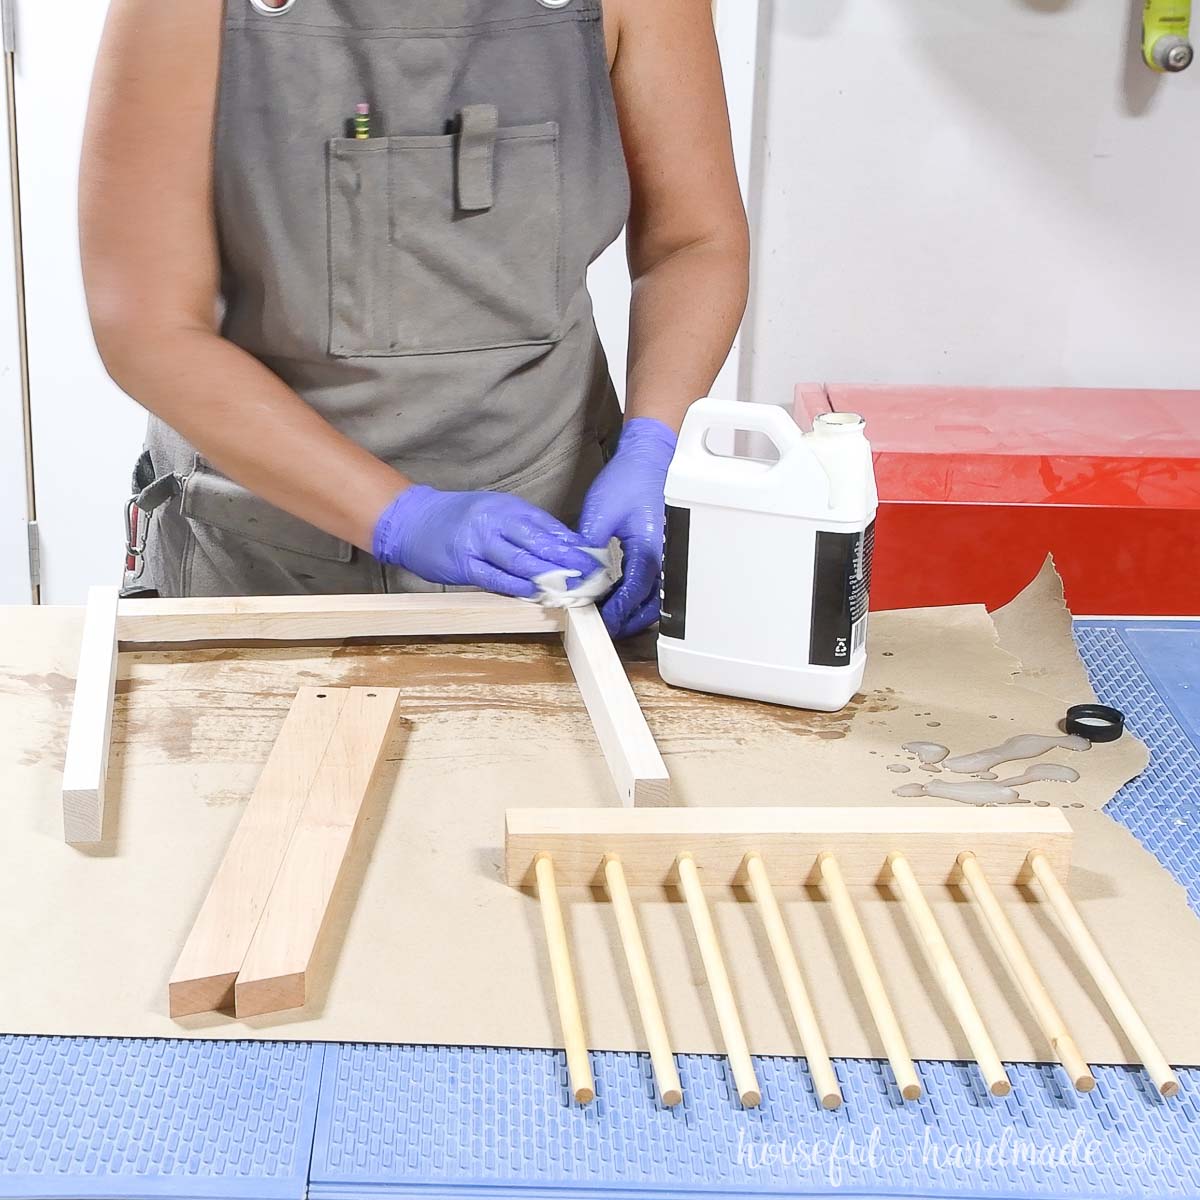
(338, 249)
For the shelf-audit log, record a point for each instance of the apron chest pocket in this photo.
(447, 243)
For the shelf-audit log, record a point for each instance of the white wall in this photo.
(608, 282)
(974, 191)
(86, 432)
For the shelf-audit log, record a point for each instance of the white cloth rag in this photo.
(553, 591)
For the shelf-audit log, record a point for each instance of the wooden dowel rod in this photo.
(811, 1040)
(583, 1086)
(661, 1059)
(718, 983)
(1043, 1008)
(1110, 987)
(868, 976)
(953, 986)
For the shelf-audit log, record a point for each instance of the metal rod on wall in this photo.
(7, 16)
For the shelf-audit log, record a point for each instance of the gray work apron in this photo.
(424, 290)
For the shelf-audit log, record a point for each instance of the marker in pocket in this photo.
(362, 122)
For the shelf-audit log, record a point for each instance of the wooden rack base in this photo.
(834, 848)
(111, 625)
(648, 841)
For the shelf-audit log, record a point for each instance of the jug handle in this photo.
(774, 422)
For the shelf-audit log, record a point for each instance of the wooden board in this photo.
(274, 973)
(204, 976)
(648, 841)
(85, 767)
(319, 618)
(637, 768)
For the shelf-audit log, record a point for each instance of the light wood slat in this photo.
(317, 618)
(728, 1018)
(871, 982)
(85, 768)
(954, 987)
(812, 1041)
(1022, 969)
(1111, 988)
(637, 768)
(274, 974)
(566, 994)
(204, 976)
(670, 1090)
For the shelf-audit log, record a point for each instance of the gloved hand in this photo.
(488, 540)
(626, 502)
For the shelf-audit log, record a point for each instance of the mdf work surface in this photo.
(107, 1118)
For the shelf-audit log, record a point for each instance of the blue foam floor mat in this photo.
(114, 1117)
(434, 1121)
(84, 1118)
(1129, 663)
(1170, 656)
(428, 1121)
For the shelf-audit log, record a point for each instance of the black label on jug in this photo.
(841, 591)
(672, 621)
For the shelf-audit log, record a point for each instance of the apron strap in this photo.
(477, 124)
(151, 490)
(156, 494)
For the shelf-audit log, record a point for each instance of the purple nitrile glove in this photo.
(626, 502)
(488, 540)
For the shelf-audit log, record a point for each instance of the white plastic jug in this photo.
(767, 566)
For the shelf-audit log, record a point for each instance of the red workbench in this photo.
(976, 485)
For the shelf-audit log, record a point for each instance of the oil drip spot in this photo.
(1023, 745)
(969, 792)
(927, 752)
(1041, 772)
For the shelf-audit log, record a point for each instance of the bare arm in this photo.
(151, 272)
(688, 239)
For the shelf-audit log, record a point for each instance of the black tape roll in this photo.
(1096, 722)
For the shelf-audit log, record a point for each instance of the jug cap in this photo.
(838, 423)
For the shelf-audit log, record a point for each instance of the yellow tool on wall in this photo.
(1165, 44)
